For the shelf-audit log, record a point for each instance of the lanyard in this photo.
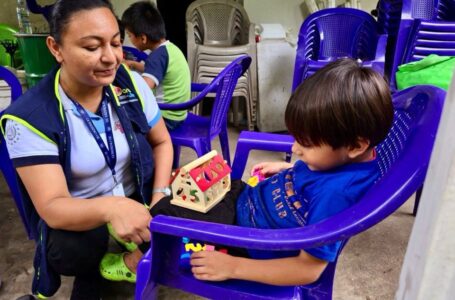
(108, 151)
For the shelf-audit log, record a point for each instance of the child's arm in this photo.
(134, 65)
(270, 168)
(217, 266)
(150, 82)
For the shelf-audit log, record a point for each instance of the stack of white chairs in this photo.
(218, 31)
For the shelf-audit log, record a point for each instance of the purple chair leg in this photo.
(249, 140)
(143, 286)
(175, 163)
(224, 141)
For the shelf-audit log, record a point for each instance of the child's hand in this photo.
(212, 265)
(270, 168)
(134, 65)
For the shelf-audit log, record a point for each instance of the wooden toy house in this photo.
(201, 184)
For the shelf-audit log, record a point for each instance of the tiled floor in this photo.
(368, 269)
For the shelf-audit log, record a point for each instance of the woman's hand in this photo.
(268, 169)
(213, 265)
(130, 220)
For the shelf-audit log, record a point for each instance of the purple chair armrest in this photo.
(199, 87)
(251, 140)
(203, 88)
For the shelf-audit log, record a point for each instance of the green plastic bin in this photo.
(38, 61)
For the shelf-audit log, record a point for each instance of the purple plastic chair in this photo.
(35, 8)
(197, 132)
(426, 27)
(137, 54)
(333, 33)
(5, 163)
(403, 160)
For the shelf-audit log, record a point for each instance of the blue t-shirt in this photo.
(298, 196)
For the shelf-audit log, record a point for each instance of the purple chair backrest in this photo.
(6, 165)
(333, 33)
(225, 90)
(338, 32)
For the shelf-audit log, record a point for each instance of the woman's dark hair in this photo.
(64, 9)
(144, 18)
(339, 104)
(121, 29)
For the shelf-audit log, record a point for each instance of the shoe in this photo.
(128, 246)
(113, 267)
(46, 281)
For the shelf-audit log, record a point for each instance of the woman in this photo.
(90, 147)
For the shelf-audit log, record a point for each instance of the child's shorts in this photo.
(224, 212)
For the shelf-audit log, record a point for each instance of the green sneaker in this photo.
(128, 246)
(112, 267)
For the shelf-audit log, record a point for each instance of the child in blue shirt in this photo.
(337, 117)
(166, 69)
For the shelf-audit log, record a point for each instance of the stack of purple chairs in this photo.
(427, 27)
(333, 33)
(403, 159)
(389, 15)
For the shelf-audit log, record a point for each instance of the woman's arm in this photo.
(217, 266)
(47, 187)
(163, 152)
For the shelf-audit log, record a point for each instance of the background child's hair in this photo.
(144, 18)
(339, 104)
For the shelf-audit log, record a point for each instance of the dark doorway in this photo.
(173, 12)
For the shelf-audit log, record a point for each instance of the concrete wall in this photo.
(428, 270)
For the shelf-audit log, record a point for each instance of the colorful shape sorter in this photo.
(201, 184)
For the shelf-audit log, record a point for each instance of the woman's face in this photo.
(90, 50)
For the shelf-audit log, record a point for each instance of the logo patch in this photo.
(13, 133)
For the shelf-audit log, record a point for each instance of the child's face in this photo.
(321, 158)
(135, 40)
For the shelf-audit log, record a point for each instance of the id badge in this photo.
(118, 190)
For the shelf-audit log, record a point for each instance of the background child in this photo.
(337, 117)
(166, 69)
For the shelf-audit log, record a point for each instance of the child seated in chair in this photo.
(166, 69)
(337, 117)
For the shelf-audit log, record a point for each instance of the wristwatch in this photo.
(165, 190)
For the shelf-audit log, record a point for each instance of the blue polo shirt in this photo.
(299, 196)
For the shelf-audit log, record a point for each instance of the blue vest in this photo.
(41, 110)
